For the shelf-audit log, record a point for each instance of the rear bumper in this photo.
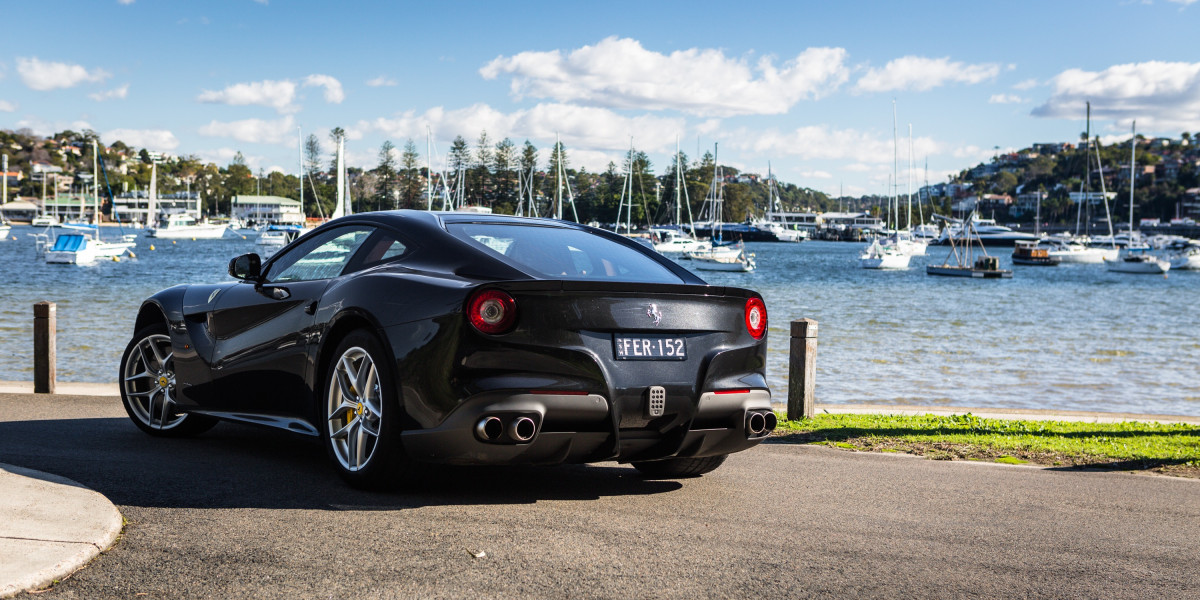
(585, 428)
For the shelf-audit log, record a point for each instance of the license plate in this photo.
(649, 347)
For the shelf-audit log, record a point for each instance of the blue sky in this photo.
(806, 86)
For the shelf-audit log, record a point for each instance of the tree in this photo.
(312, 156)
(410, 176)
(481, 187)
(504, 159)
(460, 160)
(385, 173)
(335, 134)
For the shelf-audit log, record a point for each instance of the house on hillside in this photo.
(1027, 203)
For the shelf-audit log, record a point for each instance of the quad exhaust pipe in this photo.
(492, 429)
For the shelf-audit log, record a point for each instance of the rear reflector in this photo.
(558, 392)
(732, 392)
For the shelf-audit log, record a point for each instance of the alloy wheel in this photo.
(354, 409)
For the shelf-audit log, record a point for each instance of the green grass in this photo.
(1172, 449)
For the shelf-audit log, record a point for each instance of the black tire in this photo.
(672, 468)
(147, 379)
(361, 433)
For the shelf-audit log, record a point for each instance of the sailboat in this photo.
(719, 256)
(672, 239)
(1135, 257)
(774, 208)
(881, 256)
(1072, 249)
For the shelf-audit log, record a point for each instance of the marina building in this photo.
(132, 207)
(275, 210)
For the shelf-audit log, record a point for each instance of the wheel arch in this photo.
(345, 322)
(149, 314)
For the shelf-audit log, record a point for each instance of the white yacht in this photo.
(1188, 258)
(881, 256)
(986, 231)
(727, 258)
(1138, 259)
(183, 226)
(83, 248)
(1073, 252)
(44, 221)
(676, 242)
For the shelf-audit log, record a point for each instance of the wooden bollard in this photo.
(45, 348)
(802, 370)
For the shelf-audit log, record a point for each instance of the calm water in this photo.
(1072, 337)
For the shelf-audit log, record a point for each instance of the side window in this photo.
(322, 257)
(382, 247)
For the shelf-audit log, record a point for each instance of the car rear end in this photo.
(584, 369)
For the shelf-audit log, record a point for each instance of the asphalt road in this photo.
(246, 513)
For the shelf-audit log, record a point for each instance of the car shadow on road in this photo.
(240, 466)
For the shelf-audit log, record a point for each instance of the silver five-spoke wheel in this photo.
(354, 409)
(148, 379)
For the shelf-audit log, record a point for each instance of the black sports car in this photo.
(460, 338)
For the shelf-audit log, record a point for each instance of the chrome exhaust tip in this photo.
(489, 429)
(522, 429)
(770, 422)
(755, 424)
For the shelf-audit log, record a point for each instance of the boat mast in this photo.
(340, 209)
(300, 160)
(678, 206)
(558, 177)
(895, 202)
(152, 210)
(95, 186)
(910, 169)
(1132, 178)
(428, 169)
(1087, 168)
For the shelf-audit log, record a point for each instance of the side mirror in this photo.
(247, 267)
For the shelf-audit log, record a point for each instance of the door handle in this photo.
(311, 308)
(280, 293)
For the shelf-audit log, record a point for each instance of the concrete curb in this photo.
(52, 527)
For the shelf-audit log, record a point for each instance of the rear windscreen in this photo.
(562, 253)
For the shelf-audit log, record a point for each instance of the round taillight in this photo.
(492, 311)
(756, 317)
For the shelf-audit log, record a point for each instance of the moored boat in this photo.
(1138, 260)
(183, 226)
(83, 248)
(880, 256)
(1032, 254)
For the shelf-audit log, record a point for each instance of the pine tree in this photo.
(411, 185)
(385, 173)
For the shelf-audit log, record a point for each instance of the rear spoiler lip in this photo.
(621, 287)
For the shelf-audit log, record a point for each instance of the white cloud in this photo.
(1005, 99)
(1160, 95)
(1184, 3)
(1117, 138)
(6, 106)
(858, 168)
(976, 153)
(821, 142)
(159, 140)
(48, 75)
(382, 81)
(118, 93)
(224, 156)
(816, 174)
(275, 94)
(125, 2)
(333, 88)
(620, 73)
(257, 131)
(1027, 84)
(919, 74)
(582, 129)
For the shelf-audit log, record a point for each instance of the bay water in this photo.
(1072, 337)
